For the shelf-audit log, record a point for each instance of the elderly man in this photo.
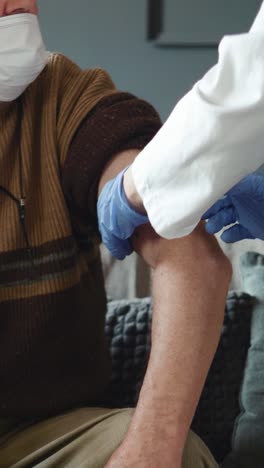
(64, 134)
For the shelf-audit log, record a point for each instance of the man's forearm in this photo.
(183, 344)
(189, 290)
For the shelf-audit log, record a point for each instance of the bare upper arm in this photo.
(146, 242)
(197, 249)
(116, 165)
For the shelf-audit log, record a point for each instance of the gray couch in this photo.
(229, 417)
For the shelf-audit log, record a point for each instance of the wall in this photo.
(112, 34)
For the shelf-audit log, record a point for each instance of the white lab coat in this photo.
(212, 139)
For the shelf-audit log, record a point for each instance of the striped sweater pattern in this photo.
(53, 354)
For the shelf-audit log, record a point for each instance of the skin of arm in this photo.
(191, 276)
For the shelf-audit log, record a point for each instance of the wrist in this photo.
(161, 424)
(156, 447)
(142, 451)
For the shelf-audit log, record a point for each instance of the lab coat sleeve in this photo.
(213, 138)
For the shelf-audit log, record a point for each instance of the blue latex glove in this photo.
(117, 220)
(243, 205)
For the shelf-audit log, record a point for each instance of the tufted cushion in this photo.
(128, 326)
(248, 437)
(219, 403)
(128, 329)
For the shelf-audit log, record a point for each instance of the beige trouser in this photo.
(83, 438)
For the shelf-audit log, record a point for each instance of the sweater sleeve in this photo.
(118, 122)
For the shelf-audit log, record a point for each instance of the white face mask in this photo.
(23, 55)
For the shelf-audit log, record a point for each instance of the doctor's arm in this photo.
(212, 139)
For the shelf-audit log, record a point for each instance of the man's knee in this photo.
(196, 454)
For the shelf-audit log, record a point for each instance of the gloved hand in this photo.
(244, 205)
(116, 218)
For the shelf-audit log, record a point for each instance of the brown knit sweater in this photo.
(66, 126)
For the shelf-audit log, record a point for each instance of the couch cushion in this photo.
(128, 329)
(248, 437)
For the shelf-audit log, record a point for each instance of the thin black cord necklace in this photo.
(21, 201)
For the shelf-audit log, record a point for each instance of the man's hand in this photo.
(243, 205)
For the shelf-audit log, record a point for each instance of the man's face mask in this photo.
(23, 55)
